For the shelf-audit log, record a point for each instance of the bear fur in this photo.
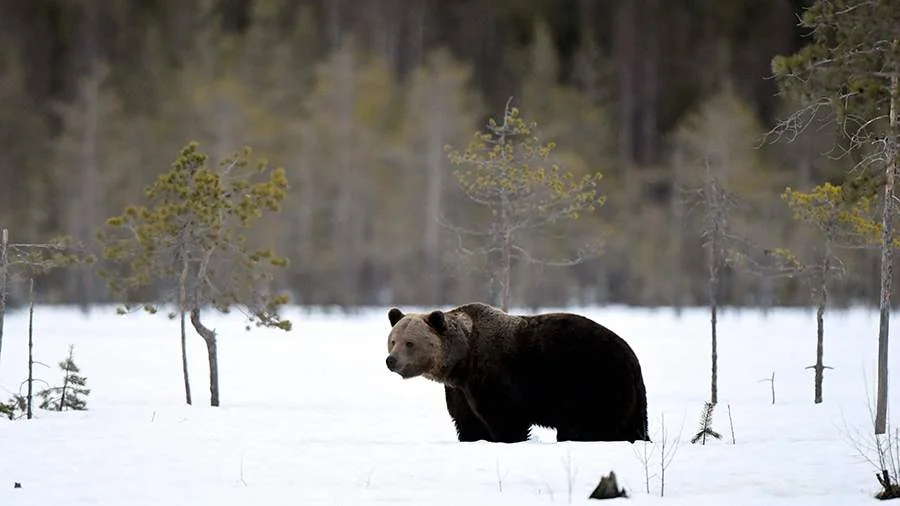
(504, 373)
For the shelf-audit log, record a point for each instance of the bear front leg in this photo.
(469, 426)
(498, 411)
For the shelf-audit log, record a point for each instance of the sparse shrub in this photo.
(14, 408)
(882, 451)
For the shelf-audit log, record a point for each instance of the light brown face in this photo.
(413, 346)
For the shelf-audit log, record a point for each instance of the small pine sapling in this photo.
(843, 219)
(706, 429)
(510, 173)
(14, 408)
(69, 396)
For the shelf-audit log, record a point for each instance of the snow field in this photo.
(313, 416)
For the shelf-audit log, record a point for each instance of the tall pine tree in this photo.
(851, 67)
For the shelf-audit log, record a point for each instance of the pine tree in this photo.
(851, 68)
(841, 221)
(505, 169)
(190, 239)
(69, 396)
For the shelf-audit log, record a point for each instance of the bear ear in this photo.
(394, 315)
(437, 321)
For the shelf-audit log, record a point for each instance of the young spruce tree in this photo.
(189, 240)
(69, 396)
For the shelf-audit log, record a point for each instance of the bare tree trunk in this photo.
(505, 239)
(209, 337)
(820, 328)
(676, 243)
(88, 216)
(65, 385)
(184, 360)
(504, 272)
(887, 260)
(716, 202)
(4, 276)
(713, 308)
(182, 309)
(30, 392)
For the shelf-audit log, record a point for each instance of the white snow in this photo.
(313, 416)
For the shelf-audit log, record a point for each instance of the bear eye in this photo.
(409, 344)
(392, 342)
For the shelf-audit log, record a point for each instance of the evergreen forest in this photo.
(363, 103)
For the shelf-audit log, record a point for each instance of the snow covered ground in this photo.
(314, 417)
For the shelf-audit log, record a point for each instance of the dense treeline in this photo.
(356, 99)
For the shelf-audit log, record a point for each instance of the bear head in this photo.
(426, 344)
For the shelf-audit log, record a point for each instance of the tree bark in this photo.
(182, 310)
(65, 385)
(184, 360)
(713, 309)
(4, 275)
(209, 336)
(820, 330)
(715, 209)
(30, 393)
(887, 260)
(676, 243)
(504, 271)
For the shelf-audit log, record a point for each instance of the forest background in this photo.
(357, 100)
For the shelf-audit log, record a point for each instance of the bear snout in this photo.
(391, 362)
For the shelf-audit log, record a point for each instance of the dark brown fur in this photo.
(504, 373)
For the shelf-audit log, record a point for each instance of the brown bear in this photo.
(504, 373)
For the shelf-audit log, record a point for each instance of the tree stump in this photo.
(608, 488)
